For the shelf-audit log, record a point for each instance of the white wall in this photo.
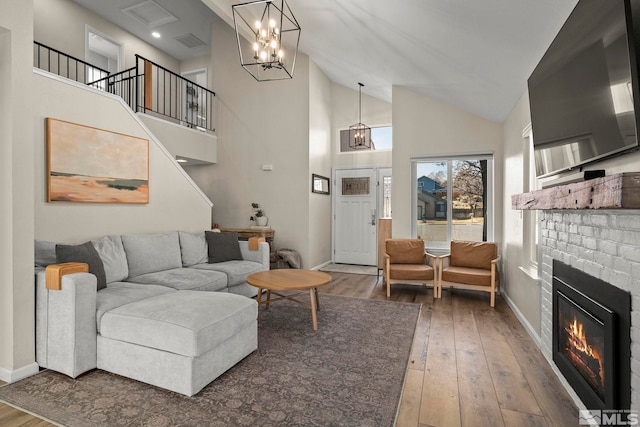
(521, 289)
(17, 347)
(199, 63)
(181, 140)
(319, 163)
(174, 204)
(6, 217)
(422, 127)
(259, 123)
(60, 24)
(344, 113)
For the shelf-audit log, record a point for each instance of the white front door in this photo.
(355, 216)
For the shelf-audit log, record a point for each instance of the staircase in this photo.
(178, 111)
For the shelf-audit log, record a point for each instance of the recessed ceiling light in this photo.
(181, 161)
(156, 34)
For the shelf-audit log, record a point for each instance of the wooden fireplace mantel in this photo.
(620, 191)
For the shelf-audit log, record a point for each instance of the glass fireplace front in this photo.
(591, 337)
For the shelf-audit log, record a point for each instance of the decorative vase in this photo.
(262, 221)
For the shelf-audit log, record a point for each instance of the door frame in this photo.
(89, 29)
(183, 90)
(334, 195)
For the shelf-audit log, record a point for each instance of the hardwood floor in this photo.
(12, 417)
(470, 365)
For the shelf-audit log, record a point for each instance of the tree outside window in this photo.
(451, 201)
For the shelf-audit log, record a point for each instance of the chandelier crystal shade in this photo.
(268, 36)
(360, 134)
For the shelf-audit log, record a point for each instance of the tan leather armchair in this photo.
(407, 262)
(471, 265)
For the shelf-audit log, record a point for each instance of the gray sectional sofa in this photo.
(166, 316)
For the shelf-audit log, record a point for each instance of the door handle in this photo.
(373, 217)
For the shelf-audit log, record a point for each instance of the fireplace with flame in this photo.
(591, 337)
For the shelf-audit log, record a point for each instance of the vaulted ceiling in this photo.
(473, 54)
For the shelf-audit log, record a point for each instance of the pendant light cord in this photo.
(360, 104)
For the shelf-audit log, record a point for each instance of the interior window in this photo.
(386, 197)
(381, 137)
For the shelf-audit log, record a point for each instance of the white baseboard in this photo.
(523, 320)
(11, 376)
(318, 267)
(536, 339)
(565, 383)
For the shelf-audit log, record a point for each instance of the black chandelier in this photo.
(360, 134)
(268, 36)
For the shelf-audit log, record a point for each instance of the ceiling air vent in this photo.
(149, 13)
(190, 41)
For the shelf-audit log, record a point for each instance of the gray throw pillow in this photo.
(45, 253)
(193, 247)
(113, 258)
(149, 253)
(85, 253)
(223, 246)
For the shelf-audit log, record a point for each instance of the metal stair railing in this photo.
(124, 84)
(147, 87)
(152, 88)
(169, 94)
(57, 62)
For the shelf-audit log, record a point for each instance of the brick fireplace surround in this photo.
(604, 244)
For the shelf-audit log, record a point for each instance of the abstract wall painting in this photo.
(90, 165)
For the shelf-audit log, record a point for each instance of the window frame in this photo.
(530, 222)
(340, 151)
(489, 197)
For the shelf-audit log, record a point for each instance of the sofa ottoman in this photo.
(180, 340)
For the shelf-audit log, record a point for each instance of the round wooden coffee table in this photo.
(290, 280)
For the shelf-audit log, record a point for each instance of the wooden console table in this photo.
(246, 233)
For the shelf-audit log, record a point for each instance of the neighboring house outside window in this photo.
(453, 199)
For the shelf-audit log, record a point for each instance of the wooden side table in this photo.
(290, 280)
(246, 233)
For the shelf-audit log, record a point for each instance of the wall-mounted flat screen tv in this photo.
(584, 92)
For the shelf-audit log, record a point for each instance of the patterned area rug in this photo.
(348, 373)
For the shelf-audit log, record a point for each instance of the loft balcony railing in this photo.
(124, 84)
(54, 61)
(147, 87)
(151, 88)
